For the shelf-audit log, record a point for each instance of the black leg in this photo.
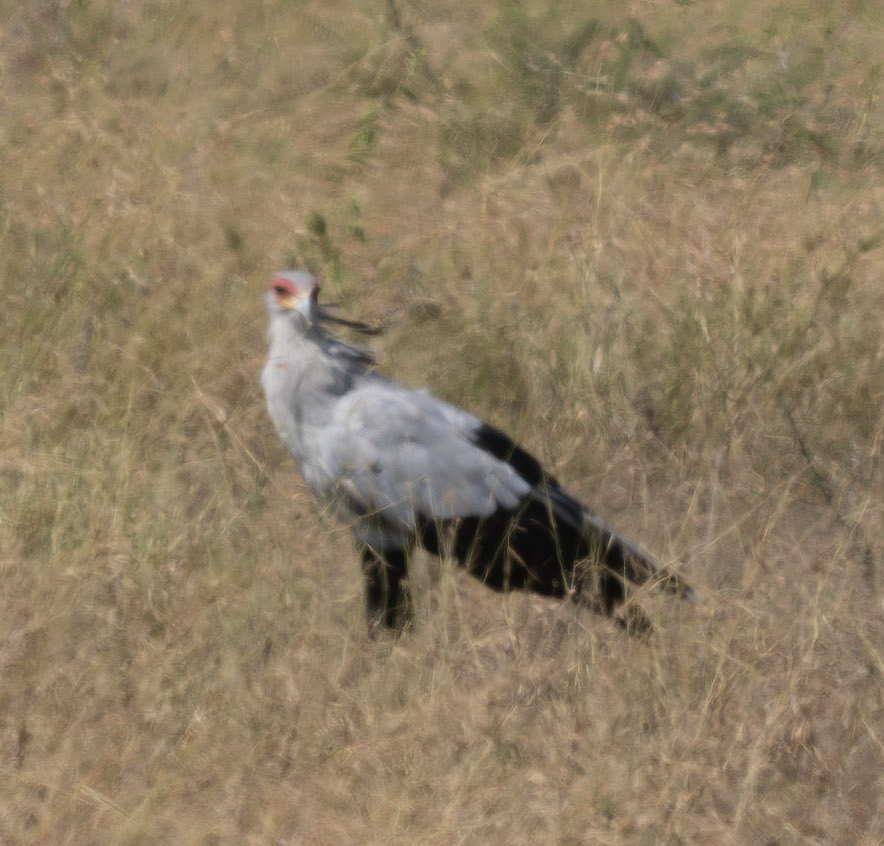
(386, 594)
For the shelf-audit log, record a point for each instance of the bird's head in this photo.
(296, 292)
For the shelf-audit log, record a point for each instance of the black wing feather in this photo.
(551, 543)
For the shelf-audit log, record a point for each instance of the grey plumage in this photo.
(403, 469)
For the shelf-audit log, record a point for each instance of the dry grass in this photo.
(645, 240)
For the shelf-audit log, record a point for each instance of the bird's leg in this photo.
(386, 594)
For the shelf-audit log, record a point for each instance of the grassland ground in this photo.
(644, 238)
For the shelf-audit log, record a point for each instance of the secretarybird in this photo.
(404, 469)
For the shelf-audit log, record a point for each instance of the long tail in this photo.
(608, 561)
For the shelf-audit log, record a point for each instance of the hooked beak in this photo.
(286, 301)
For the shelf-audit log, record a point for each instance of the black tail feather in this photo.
(540, 549)
(547, 544)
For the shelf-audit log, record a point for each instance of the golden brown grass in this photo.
(645, 239)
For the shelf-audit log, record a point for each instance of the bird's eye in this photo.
(278, 289)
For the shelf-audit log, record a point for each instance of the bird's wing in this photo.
(405, 457)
